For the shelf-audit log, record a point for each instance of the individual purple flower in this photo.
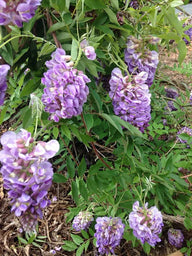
(146, 223)
(109, 232)
(3, 84)
(27, 175)
(175, 237)
(82, 221)
(138, 58)
(88, 50)
(186, 130)
(17, 11)
(131, 98)
(171, 93)
(65, 89)
(134, 4)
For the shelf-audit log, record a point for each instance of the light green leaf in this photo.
(176, 3)
(95, 4)
(182, 50)
(77, 239)
(112, 16)
(69, 246)
(110, 119)
(74, 49)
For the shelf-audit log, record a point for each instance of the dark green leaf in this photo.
(59, 178)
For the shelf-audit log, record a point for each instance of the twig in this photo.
(93, 145)
(50, 23)
(171, 218)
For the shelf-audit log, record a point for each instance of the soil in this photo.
(54, 227)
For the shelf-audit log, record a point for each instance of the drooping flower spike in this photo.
(27, 175)
(65, 89)
(131, 98)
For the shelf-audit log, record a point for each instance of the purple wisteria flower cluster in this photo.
(131, 98)
(146, 223)
(138, 58)
(3, 84)
(88, 50)
(17, 11)
(65, 89)
(172, 94)
(27, 175)
(82, 221)
(175, 237)
(109, 232)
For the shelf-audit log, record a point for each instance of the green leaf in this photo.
(115, 4)
(146, 248)
(75, 192)
(27, 119)
(31, 238)
(22, 240)
(174, 21)
(82, 167)
(95, 4)
(182, 50)
(83, 190)
(80, 250)
(188, 223)
(59, 178)
(85, 234)
(176, 3)
(112, 16)
(66, 131)
(77, 239)
(74, 49)
(110, 119)
(2, 114)
(87, 245)
(57, 26)
(30, 86)
(69, 246)
(89, 121)
(70, 167)
(55, 132)
(46, 49)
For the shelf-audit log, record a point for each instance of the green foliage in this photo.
(107, 162)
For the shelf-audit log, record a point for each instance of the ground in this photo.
(54, 226)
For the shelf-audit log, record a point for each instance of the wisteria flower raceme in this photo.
(131, 98)
(17, 11)
(27, 175)
(186, 130)
(175, 237)
(146, 223)
(65, 89)
(88, 50)
(138, 58)
(82, 221)
(3, 84)
(109, 232)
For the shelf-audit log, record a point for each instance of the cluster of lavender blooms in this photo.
(27, 175)
(187, 22)
(82, 221)
(134, 4)
(175, 237)
(131, 98)
(88, 50)
(3, 84)
(186, 130)
(138, 58)
(109, 232)
(17, 11)
(146, 223)
(65, 89)
(172, 94)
